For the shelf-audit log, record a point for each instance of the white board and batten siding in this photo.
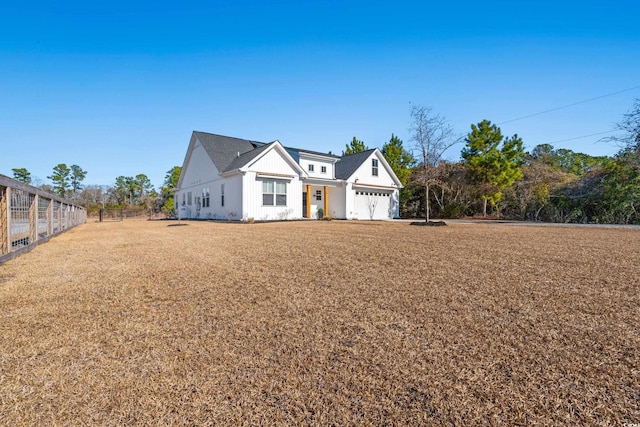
(372, 196)
(273, 167)
(200, 173)
(337, 208)
(317, 164)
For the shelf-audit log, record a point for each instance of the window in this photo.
(189, 198)
(205, 198)
(311, 167)
(198, 205)
(374, 167)
(318, 194)
(323, 169)
(183, 198)
(274, 193)
(221, 194)
(281, 193)
(267, 193)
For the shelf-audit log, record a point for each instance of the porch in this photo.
(315, 199)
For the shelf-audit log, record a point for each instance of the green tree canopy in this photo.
(166, 192)
(494, 161)
(355, 146)
(172, 177)
(61, 179)
(76, 177)
(22, 175)
(400, 160)
(134, 190)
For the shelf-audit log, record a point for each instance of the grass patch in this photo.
(345, 322)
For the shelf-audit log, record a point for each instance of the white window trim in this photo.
(275, 192)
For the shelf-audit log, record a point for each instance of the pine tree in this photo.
(22, 175)
(60, 179)
(494, 161)
(356, 146)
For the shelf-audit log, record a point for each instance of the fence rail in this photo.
(30, 216)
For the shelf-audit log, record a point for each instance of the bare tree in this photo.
(630, 125)
(372, 203)
(431, 135)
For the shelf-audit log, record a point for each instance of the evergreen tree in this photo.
(22, 175)
(356, 146)
(77, 175)
(60, 179)
(170, 182)
(494, 161)
(401, 161)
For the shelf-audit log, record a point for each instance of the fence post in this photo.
(33, 219)
(5, 238)
(59, 213)
(50, 218)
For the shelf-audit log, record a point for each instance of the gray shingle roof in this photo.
(223, 150)
(245, 158)
(347, 165)
(228, 153)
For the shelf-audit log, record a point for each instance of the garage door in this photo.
(372, 205)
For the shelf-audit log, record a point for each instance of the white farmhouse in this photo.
(237, 179)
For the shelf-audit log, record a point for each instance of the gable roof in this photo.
(230, 154)
(243, 161)
(347, 165)
(245, 158)
(224, 150)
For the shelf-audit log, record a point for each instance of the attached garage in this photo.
(373, 204)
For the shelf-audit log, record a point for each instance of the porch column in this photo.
(326, 201)
(308, 207)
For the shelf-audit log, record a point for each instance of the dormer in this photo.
(318, 165)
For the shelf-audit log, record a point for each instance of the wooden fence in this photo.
(30, 216)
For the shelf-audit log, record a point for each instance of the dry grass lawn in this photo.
(322, 323)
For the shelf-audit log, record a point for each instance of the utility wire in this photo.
(460, 139)
(583, 136)
(569, 105)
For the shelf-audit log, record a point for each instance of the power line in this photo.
(569, 105)
(583, 136)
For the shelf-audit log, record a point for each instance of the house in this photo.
(237, 179)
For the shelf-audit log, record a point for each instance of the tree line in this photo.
(496, 178)
(127, 191)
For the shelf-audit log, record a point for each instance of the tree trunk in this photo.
(426, 196)
(484, 208)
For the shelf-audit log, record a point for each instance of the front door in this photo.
(304, 204)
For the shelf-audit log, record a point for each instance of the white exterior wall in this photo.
(200, 173)
(359, 206)
(363, 174)
(349, 200)
(317, 167)
(232, 199)
(271, 162)
(337, 202)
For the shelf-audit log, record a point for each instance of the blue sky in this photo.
(117, 87)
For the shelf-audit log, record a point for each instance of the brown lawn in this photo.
(322, 323)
